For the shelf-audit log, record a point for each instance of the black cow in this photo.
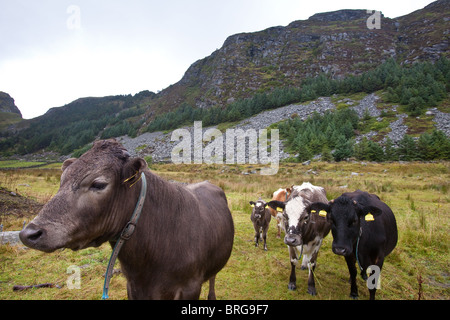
(364, 230)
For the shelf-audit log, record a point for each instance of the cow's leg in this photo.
(212, 291)
(378, 262)
(278, 228)
(189, 292)
(292, 278)
(351, 260)
(311, 284)
(256, 236)
(265, 237)
(312, 266)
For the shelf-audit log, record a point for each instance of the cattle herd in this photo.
(363, 227)
(185, 233)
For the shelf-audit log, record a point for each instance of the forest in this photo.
(335, 131)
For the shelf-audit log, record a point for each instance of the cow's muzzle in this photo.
(32, 236)
(293, 240)
(341, 250)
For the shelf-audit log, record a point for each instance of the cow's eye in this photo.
(97, 186)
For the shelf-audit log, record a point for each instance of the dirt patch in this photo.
(14, 205)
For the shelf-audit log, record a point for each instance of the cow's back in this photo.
(383, 230)
(215, 224)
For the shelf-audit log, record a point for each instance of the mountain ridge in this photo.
(336, 44)
(284, 56)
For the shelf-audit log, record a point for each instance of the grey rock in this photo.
(10, 237)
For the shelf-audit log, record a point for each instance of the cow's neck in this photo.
(161, 207)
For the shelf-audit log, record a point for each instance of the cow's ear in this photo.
(252, 203)
(132, 170)
(67, 163)
(368, 212)
(319, 208)
(276, 204)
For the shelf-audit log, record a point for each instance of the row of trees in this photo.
(332, 136)
(417, 87)
(73, 126)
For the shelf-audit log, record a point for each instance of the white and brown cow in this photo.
(304, 232)
(282, 194)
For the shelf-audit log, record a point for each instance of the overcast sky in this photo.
(53, 52)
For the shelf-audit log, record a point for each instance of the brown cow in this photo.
(184, 235)
(279, 195)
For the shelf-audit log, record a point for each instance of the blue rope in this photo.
(357, 245)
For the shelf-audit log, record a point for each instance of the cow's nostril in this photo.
(340, 251)
(30, 234)
(35, 235)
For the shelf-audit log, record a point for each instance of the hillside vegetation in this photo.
(65, 130)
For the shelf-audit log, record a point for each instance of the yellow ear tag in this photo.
(313, 211)
(322, 213)
(252, 205)
(369, 217)
(279, 209)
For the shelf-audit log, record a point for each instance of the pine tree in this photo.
(326, 153)
(440, 145)
(407, 149)
(344, 148)
(390, 153)
(375, 152)
(361, 149)
(304, 153)
(424, 147)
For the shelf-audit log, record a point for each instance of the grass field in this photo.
(418, 194)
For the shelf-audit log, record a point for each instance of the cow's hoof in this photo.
(312, 291)
(354, 296)
(292, 286)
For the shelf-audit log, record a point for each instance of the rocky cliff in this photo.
(337, 43)
(7, 104)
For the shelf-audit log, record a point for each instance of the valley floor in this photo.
(418, 194)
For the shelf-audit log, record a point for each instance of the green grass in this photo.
(418, 193)
(11, 164)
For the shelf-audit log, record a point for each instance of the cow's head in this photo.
(344, 216)
(93, 202)
(295, 218)
(259, 209)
